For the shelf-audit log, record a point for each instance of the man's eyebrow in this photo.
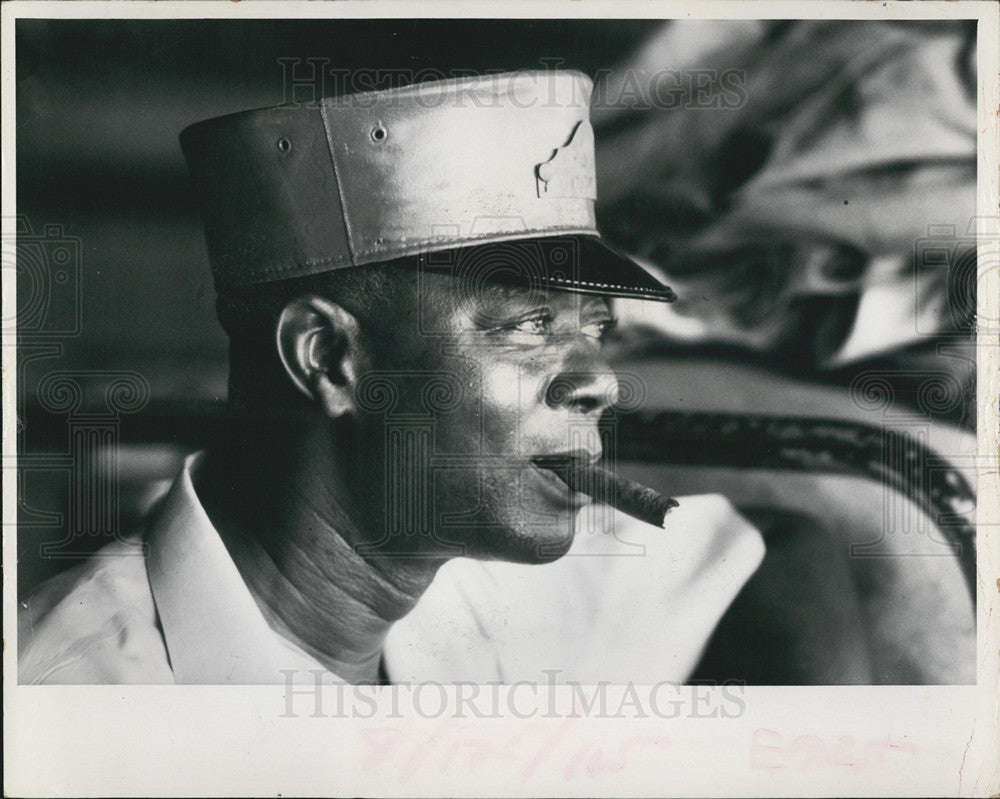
(507, 291)
(500, 298)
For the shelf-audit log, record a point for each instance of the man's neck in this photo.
(294, 540)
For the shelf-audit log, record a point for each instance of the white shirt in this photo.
(637, 604)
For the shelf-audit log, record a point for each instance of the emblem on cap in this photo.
(569, 172)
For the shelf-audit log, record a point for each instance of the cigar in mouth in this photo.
(602, 485)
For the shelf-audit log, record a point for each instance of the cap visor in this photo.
(606, 270)
(578, 263)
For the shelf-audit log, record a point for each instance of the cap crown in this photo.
(300, 189)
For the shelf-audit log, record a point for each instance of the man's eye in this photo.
(540, 325)
(599, 329)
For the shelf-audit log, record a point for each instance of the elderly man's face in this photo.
(485, 384)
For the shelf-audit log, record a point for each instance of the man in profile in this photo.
(415, 295)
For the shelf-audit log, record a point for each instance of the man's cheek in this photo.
(501, 403)
(501, 383)
(515, 385)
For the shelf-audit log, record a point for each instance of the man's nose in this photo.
(588, 391)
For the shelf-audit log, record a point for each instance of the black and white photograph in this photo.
(576, 371)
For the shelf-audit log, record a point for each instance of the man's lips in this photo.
(548, 468)
(559, 461)
(555, 491)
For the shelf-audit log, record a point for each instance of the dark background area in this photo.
(99, 108)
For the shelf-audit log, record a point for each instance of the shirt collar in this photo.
(214, 631)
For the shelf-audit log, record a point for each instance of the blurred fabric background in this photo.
(807, 188)
(797, 224)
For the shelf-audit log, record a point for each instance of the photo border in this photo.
(220, 740)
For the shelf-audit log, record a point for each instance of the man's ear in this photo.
(319, 344)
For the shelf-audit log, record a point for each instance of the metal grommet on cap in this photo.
(379, 133)
(284, 145)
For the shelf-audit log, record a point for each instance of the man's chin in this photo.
(519, 529)
(532, 544)
(546, 553)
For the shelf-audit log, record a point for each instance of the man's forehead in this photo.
(500, 293)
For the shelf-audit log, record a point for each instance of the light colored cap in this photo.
(367, 178)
